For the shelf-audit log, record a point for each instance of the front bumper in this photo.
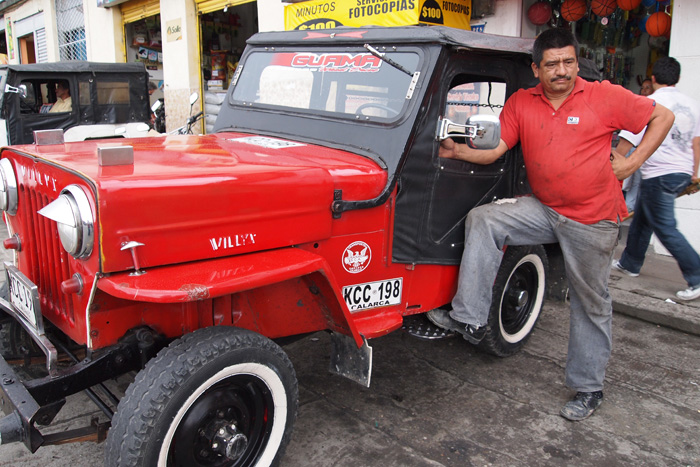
(38, 401)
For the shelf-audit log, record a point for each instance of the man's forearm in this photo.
(452, 150)
(660, 123)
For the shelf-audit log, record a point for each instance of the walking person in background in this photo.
(631, 184)
(665, 174)
(565, 126)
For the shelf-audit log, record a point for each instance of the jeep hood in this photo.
(188, 198)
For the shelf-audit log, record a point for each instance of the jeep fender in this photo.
(203, 280)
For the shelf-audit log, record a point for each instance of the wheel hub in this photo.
(519, 298)
(229, 442)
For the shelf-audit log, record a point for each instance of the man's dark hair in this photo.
(555, 38)
(667, 71)
(64, 84)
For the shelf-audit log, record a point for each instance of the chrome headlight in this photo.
(73, 216)
(8, 187)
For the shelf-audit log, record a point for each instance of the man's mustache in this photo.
(566, 77)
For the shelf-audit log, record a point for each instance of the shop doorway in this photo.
(223, 34)
(26, 49)
(142, 35)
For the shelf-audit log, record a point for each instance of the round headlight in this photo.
(74, 219)
(8, 187)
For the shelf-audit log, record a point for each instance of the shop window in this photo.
(70, 22)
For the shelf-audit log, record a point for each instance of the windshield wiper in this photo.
(383, 57)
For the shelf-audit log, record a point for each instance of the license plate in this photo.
(24, 296)
(360, 297)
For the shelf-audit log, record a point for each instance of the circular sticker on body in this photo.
(357, 257)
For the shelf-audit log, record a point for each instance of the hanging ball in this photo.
(539, 13)
(628, 4)
(658, 24)
(603, 7)
(573, 10)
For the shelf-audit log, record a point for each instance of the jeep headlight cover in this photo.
(8, 187)
(73, 216)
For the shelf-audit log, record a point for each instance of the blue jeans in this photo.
(654, 213)
(587, 251)
(633, 190)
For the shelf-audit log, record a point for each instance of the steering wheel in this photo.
(368, 105)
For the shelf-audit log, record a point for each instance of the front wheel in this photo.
(220, 396)
(518, 294)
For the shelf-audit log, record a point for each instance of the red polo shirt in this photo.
(567, 151)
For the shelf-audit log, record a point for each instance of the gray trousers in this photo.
(587, 251)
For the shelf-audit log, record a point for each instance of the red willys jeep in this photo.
(319, 203)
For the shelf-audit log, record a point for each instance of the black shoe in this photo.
(442, 318)
(582, 405)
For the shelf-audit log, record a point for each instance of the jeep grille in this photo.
(47, 262)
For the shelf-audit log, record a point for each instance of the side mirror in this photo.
(194, 97)
(21, 90)
(480, 131)
(156, 105)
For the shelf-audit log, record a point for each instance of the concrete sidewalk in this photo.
(652, 295)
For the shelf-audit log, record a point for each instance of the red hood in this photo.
(188, 198)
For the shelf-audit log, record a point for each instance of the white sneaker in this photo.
(616, 265)
(691, 293)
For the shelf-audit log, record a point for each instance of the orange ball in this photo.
(658, 24)
(573, 10)
(628, 4)
(603, 7)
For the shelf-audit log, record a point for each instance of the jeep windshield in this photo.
(346, 83)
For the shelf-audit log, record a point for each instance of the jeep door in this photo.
(434, 194)
(28, 114)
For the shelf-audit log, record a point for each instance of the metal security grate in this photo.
(70, 23)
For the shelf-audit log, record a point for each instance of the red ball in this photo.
(628, 4)
(539, 13)
(573, 10)
(658, 24)
(603, 7)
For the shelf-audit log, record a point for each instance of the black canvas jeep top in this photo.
(109, 94)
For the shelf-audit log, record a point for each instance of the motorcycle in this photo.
(186, 129)
(158, 109)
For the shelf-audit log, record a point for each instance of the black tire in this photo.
(180, 408)
(15, 342)
(518, 295)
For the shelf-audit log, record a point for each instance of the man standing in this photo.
(565, 126)
(665, 174)
(63, 100)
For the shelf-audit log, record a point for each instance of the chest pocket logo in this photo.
(572, 120)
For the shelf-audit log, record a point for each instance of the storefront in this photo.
(623, 38)
(142, 39)
(224, 27)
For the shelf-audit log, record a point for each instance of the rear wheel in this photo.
(518, 295)
(219, 396)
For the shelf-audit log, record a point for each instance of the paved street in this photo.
(445, 403)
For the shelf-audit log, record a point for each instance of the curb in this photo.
(673, 315)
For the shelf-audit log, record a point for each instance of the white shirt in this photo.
(675, 155)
